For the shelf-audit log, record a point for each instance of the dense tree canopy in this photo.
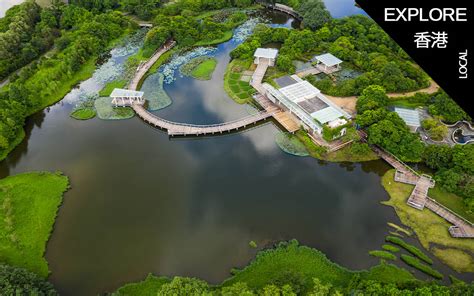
(27, 32)
(84, 35)
(18, 281)
(454, 168)
(314, 13)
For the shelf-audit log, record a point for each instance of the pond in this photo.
(143, 203)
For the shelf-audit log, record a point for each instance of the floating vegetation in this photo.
(290, 144)
(398, 228)
(243, 31)
(414, 262)
(169, 69)
(410, 248)
(85, 109)
(154, 92)
(383, 255)
(390, 248)
(253, 244)
(106, 111)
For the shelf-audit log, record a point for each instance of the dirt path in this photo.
(348, 104)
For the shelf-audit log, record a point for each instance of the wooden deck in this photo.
(282, 117)
(461, 228)
(184, 129)
(419, 198)
(419, 195)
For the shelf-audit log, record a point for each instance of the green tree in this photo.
(19, 281)
(314, 13)
(184, 286)
(373, 97)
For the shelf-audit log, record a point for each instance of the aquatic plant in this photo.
(390, 248)
(382, 254)
(106, 111)
(414, 262)
(169, 69)
(410, 248)
(290, 144)
(243, 31)
(154, 92)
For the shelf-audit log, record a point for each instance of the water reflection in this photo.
(141, 203)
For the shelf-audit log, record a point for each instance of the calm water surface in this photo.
(143, 203)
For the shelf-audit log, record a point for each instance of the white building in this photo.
(308, 104)
(266, 54)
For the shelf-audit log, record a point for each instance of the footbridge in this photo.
(282, 8)
(185, 129)
(419, 199)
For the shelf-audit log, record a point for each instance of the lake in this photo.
(141, 202)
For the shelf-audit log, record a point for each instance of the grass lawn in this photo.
(29, 203)
(452, 201)
(240, 91)
(225, 37)
(205, 69)
(83, 114)
(19, 138)
(430, 228)
(109, 87)
(461, 259)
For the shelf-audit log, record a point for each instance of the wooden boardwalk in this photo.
(184, 129)
(419, 198)
(145, 67)
(282, 117)
(419, 195)
(461, 227)
(282, 8)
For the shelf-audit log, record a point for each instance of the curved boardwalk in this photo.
(185, 129)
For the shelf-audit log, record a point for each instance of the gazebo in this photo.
(328, 63)
(269, 54)
(124, 97)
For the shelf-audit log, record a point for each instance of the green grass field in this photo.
(28, 206)
(205, 69)
(83, 114)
